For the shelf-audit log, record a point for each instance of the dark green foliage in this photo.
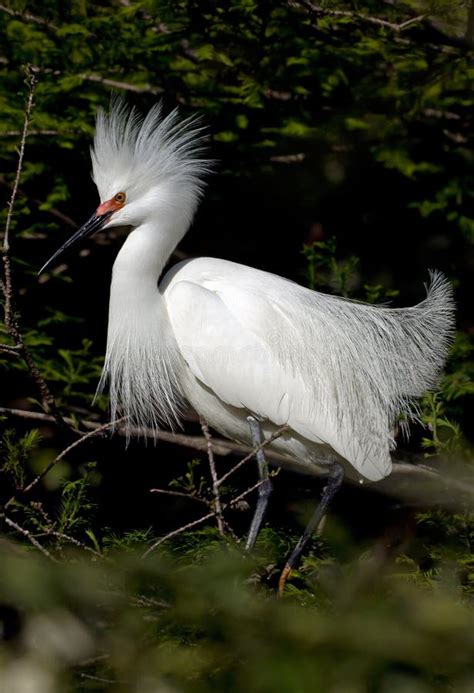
(201, 626)
(15, 453)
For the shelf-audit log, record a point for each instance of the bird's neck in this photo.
(139, 265)
(142, 361)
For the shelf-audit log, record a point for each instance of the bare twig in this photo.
(31, 81)
(11, 322)
(180, 494)
(72, 540)
(221, 447)
(63, 454)
(248, 491)
(28, 17)
(175, 532)
(215, 485)
(14, 350)
(200, 520)
(325, 12)
(252, 454)
(98, 679)
(31, 133)
(120, 84)
(438, 37)
(30, 538)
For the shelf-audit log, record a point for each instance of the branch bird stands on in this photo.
(248, 350)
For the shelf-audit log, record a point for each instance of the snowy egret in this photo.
(249, 350)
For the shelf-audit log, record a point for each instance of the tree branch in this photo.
(11, 322)
(28, 17)
(410, 483)
(63, 454)
(31, 81)
(180, 494)
(438, 36)
(215, 484)
(252, 454)
(30, 537)
(124, 86)
(323, 12)
(175, 532)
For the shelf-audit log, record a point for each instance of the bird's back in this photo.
(337, 371)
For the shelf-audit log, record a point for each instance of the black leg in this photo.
(265, 488)
(335, 478)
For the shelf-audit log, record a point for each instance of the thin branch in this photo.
(440, 38)
(62, 454)
(248, 491)
(28, 17)
(180, 494)
(31, 133)
(215, 484)
(98, 679)
(119, 84)
(252, 454)
(31, 81)
(323, 12)
(14, 350)
(221, 447)
(11, 322)
(202, 519)
(30, 538)
(175, 532)
(72, 540)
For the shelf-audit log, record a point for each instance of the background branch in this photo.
(11, 321)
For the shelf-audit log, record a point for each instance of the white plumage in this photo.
(232, 340)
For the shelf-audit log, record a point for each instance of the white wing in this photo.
(336, 371)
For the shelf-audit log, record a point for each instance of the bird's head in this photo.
(144, 169)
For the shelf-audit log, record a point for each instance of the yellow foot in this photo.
(283, 578)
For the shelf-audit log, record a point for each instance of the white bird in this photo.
(248, 350)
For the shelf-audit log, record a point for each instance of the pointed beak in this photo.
(94, 224)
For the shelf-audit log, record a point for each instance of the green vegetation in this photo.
(343, 134)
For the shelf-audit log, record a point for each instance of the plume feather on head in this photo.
(133, 153)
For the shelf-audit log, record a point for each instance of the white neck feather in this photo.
(142, 361)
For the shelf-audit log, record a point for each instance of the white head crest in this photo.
(135, 154)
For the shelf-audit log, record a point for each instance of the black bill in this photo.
(94, 224)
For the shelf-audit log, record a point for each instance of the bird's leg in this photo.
(335, 478)
(265, 488)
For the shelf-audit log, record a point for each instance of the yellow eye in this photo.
(120, 197)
